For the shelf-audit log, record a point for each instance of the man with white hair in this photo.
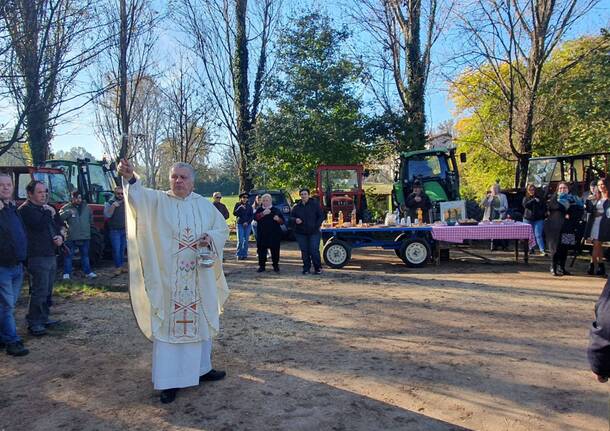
(177, 297)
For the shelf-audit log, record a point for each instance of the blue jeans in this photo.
(243, 234)
(11, 279)
(538, 227)
(83, 248)
(310, 250)
(42, 275)
(118, 239)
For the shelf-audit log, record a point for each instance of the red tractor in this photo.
(340, 188)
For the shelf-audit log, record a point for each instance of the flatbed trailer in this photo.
(414, 245)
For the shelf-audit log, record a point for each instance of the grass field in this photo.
(230, 202)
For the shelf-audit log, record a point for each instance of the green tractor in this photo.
(437, 171)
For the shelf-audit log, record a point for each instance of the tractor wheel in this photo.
(473, 210)
(415, 252)
(96, 246)
(336, 253)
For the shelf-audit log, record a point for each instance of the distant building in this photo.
(442, 140)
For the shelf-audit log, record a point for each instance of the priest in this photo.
(176, 300)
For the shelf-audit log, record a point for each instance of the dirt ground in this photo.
(373, 346)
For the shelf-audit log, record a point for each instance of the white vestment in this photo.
(175, 300)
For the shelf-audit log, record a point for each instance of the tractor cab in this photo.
(54, 179)
(340, 188)
(435, 169)
(95, 180)
(579, 170)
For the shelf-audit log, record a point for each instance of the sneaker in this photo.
(260, 270)
(118, 271)
(52, 322)
(305, 272)
(124, 269)
(317, 272)
(37, 331)
(16, 349)
(91, 275)
(66, 277)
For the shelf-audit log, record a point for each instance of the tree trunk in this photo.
(123, 113)
(240, 84)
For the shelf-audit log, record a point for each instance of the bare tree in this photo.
(49, 43)
(188, 114)
(509, 42)
(403, 33)
(146, 127)
(122, 69)
(223, 34)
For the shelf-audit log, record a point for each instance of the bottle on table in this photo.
(340, 218)
(329, 218)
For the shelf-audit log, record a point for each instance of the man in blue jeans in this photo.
(13, 252)
(245, 214)
(307, 216)
(77, 215)
(114, 212)
(42, 225)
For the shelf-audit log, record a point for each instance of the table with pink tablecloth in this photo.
(457, 234)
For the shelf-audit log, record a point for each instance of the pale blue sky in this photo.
(79, 129)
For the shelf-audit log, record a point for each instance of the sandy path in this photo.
(374, 346)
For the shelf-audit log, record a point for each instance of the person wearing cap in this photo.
(245, 214)
(217, 196)
(418, 199)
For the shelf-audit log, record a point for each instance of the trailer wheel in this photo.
(415, 252)
(336, 253)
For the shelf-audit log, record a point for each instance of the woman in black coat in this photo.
(268, 233)
(598, 226)
(560, 227)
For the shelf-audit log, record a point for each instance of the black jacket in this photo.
(311, 214)
(222, 208)
(9, 217)
(534, 210)
(244, 213)
(268, 231)
(412, 206)
(598, 352)
(604, 226)
(40, 228)
(556, 223)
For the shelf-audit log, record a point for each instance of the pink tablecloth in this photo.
(458, 234)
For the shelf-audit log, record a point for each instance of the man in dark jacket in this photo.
(217, 196)
(245, 214)
(42, 229)
(418, 200)
(599, 345)
(114, 212)
(308, 216)
(13, 252)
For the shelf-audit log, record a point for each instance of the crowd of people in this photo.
(561, 221)
(177, 292)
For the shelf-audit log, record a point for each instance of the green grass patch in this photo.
(69, 289)
(230, 202)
